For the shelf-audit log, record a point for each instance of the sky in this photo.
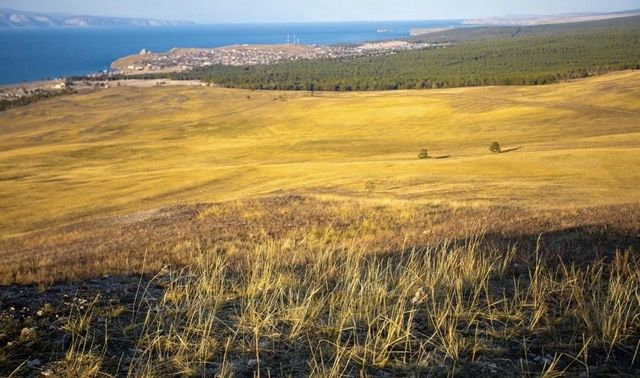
(227, 11)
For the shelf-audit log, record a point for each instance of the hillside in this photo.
(133, 149)
(202, 231)
(577, 141)
(550, 19)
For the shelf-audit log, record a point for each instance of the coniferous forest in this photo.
(475, 57)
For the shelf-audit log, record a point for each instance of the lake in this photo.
(34, 54)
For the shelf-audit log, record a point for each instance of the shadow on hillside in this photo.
(579, 246)
(511, 149)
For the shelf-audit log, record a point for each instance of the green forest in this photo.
(476, 56)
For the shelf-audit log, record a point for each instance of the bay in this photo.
(44, 53)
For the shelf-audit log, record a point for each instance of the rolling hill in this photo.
(572, 145)
(203, 231)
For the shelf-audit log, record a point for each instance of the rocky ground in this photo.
(38, 322)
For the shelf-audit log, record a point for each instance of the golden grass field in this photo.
(124, 150)
(298, 234)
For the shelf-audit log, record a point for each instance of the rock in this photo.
(252, 363)
(518, 269)
(34, 364)
(28, 334)
(561, 364)
(419, 297)
(46, 310)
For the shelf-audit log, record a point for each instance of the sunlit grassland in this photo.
(298, 234)
(127, 149)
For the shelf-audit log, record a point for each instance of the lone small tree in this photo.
(495, 148)
(424, 154)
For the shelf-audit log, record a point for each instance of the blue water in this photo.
(34, 54)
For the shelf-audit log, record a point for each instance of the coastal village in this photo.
(179, 59)
(26, 92)
(246, 55)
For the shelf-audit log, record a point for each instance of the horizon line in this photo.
(238, 22)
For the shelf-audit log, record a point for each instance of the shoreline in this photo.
(411, 33)
(218, 37)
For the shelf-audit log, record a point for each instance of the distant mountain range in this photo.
(549, 19)
(11, 18)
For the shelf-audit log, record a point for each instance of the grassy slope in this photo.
(292, 286)
(135, 149)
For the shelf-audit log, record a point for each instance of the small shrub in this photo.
(424, 154)
(495, 147)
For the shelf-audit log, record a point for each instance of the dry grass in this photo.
(299, 235)
(325, 306)
(146, 242)
(86, 193)
(124, 150)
